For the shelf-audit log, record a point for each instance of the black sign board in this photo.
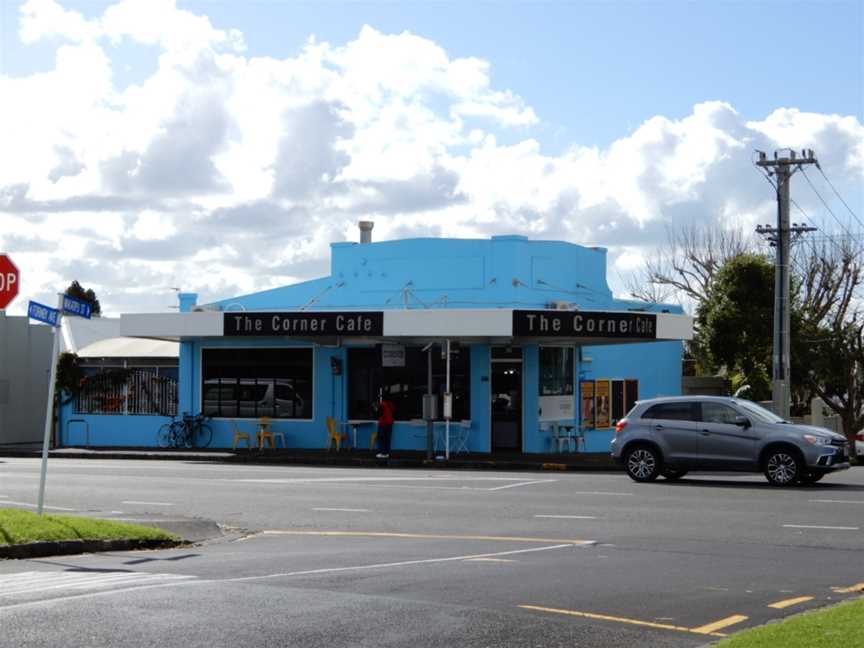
(576, 324)
(305, 324)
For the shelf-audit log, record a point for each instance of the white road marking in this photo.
(814, 526)
(340, 480)
(595, 493)
(527, 483)
(830, 501)
(38, 582)
(404, 563)
(147, 503)
(345, 510)
(568, 517)
(178, 581)
(29, 505)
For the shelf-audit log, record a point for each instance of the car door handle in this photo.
(658, 427)
(706, 432)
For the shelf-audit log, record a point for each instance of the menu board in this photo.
(603, 403)
(586, 395)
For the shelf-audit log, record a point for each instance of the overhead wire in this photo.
(837, 193)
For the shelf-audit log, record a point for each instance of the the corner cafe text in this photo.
(570, 324)
(304, 324)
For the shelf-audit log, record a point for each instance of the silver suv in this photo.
(669, 436)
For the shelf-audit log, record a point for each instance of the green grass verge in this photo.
(20, 527)
(838, 626)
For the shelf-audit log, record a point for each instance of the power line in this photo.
(827, 207)
(837, 193)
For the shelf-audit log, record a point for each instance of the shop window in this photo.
(250, 383)
(405, 383)
(605, 402)
(556, 371)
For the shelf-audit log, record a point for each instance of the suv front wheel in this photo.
(783, 467)
(642, 463)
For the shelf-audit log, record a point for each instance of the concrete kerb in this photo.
(591, 462)
(70, 547)
(190, 531)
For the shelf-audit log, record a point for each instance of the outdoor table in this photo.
(356, 423)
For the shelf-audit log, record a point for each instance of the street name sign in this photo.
(43, 313)
(73, 306)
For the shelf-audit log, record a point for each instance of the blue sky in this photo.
(141, 134)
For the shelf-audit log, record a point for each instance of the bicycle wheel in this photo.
(203, 435)
(164, 436)
(177, 434)
(187, 434)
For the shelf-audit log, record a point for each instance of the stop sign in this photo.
(8, 281)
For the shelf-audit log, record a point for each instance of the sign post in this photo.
(9, 281)
(53, 318)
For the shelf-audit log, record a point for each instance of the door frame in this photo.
(521, 419)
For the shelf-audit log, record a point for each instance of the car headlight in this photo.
(817, 440)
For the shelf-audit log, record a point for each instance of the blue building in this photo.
(518, 339)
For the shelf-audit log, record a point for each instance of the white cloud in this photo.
(226, 173)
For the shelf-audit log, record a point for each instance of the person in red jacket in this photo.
(386, 409)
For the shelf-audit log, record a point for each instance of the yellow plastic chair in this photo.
(265, 434)
(333, 435)
(239, 436)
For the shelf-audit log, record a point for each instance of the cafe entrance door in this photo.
(506, 399)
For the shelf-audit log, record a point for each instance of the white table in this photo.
(356, 423)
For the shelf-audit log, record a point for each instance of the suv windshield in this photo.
(758, 412)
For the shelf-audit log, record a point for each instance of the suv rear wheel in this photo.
(783, 467)
(642, 463)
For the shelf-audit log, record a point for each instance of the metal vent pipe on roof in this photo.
(366, 231)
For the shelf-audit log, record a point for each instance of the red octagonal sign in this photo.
(8, 281)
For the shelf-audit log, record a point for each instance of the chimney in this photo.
(366, 231)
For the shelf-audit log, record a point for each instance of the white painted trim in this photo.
(674, 327)
(449, 323)
(172, 325)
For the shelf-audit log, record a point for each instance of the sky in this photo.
(220, 147)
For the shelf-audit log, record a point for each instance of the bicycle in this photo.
(188, 432)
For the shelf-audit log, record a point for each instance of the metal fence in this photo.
(128, 392)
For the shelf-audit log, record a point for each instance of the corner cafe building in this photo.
(525, 333)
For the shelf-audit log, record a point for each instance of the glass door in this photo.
(506, 399)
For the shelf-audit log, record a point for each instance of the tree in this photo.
(827, 313)
(735, 322)
(682, 269)
(76, 290)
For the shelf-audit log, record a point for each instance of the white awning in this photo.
(127, 347)
(542, 326)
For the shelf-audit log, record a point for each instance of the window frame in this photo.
(312, 380)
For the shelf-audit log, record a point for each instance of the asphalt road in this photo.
(382, 557)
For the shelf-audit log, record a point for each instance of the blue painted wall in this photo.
(501, 272)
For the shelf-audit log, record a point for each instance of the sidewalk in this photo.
(350, 458)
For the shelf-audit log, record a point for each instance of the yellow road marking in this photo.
(427, 536)
(858, 587)
(711, 628)
(606, 617)
(779, 605)
(501, 560)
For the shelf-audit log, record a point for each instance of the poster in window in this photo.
(602, 397)
(586, 394)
